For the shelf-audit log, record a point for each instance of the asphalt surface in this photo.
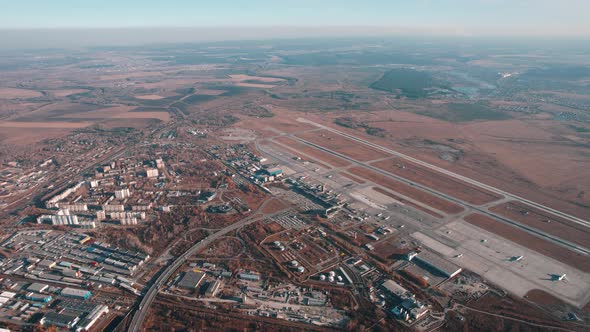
(549, 237)
(453, 175)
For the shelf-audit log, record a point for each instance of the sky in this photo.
(235, 19)
(466, 16)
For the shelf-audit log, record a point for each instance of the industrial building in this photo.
(249, 276)
(396, 289)
(80, 294)
(37, 287)
(191, 279)
(212, 288)
(437, 264)
(65, 320)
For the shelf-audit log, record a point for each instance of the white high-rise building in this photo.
(152, 173)
(63, 217)
(123, 193)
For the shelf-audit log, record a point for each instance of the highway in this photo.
(152, 292)
(544, 208)
(469, 206)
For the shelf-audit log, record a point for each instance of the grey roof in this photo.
(442, 265)
(191, 279)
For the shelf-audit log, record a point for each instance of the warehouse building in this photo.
(437, 264)
(60, 320)
(76, 293)
(249, 276)
(191, 279)
(37, 287)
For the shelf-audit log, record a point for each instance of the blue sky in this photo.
(469, 17)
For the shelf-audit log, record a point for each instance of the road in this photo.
(495, 190)
(150, 295)
(469, 206)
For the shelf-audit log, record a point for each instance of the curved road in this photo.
(151, 293)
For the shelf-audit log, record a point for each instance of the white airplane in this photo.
(558, 277)
(516, 258)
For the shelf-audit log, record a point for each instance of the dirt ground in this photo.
(437, 181)
(342, 145)
(406, 190)
(353, 178)
(545, 222)
(415, 206)
(12, 93)
(315, 153)
(532, 242)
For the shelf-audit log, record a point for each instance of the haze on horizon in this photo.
(59, 22)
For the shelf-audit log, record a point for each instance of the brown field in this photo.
(274, 205)
(48, 124)
(440, 182)
(533, 217)
(313, 152)
(406, 202)
(67, 92)
(353, 178)
(149, 97)
(342, 145)
(118, 112)
(297, 153)
(255, 85)
(543, 298)
(406, 190)
(113, 77)
(12, 93)
(23, 136)
(283, 122)
(243, 77)
(532, 242)
(209, 92)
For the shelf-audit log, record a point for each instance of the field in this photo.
(13, 93)
(51, 125)
(464, 112)
(406, 202)
(545, 222)
(406, 190)
(149, 97)
(67, 92)
(408, 82)
(313, 152)
(342, 145)
(353, 178)
(532, 242)
(445, 184)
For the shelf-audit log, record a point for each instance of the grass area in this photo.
(409, 83)
(580, 129)
(464, 112)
